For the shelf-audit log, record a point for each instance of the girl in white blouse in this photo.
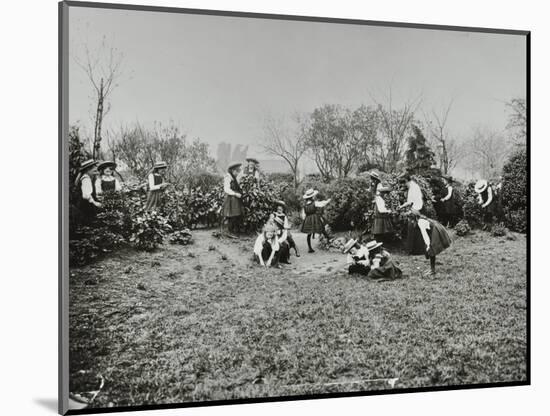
(266, 247)
(106, 182)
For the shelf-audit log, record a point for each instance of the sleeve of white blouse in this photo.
(258, 245)
(424, 227)
(283, 237)
(350, 259)
(489, 197)
(449, 193)
(321, 204)
(117, 185)
(381, 205)
(98, 189)
(87, 189)
(152, 186)
(227, 185)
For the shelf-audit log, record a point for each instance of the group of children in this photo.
(425, 236)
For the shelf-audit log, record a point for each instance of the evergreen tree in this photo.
(419, 157)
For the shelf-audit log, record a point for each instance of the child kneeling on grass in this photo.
(371, 260)
(266, 248)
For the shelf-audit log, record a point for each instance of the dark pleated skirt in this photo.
(232, 206)
(313, 223)
(154, 200)
(357, 268)
(415, 243)
(388, 270)
(382, 224)
(439, 238)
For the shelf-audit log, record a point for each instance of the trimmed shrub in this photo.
(462, 228)
(258, 199)
(514, 191)
(149, 230)
(350, 200)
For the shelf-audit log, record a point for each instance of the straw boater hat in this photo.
(383, 189)
(233, 165)
(371, 245)
(480, 186)
(160, 165)
(347, 247)
(310, 193)
(374, 175)
(107, 164)
(252, 159)
(280, 203)
(90, 163)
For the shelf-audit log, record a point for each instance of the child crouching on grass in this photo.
(266, 248)
(371, 260)
(281, 220)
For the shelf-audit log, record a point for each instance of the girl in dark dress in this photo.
(233, 209)
(448, 207)
(489, 201)
(358, 257)
(382, 264)
(157, 184)
(382, 224)
(428, 237)
(88, 204)
(313, 222)
(284, 226)
(106, 182)
(282, 238)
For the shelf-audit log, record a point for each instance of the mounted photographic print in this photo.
(263, 207)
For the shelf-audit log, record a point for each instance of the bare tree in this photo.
(488, 151)
(394, 128)
(449, 151)
(286, 139)
(517, 120)
(103, 69)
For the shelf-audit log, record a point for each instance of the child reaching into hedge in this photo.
(157, 184)
(313, 223)
(428, 237)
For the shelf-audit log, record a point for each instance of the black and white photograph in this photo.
(265, 207)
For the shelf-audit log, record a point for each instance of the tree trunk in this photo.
(98, 122)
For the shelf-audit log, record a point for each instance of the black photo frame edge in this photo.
(63, 205)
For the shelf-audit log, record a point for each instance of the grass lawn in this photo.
(202, 322)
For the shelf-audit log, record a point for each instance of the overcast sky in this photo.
(217, 77)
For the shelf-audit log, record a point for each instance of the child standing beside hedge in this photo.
(233, 208)
(489, 201)
(106, 182)
(313, 222)
(157, 185)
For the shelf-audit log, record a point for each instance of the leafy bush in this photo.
(462, 228)
(149, 230)
(499, 230)
(514, 191)
(473, 213)
(194, 207)
(350, 200)
(182, 237)
(258, 199)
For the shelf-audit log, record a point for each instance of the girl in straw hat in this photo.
(88, 203)
(488, 200)
(358, 257)
(232, 204)
(313, 222)
(266, 247)
(382, 223)
(284, 226)
(382, 264)
(157, 184)
(106, 182)
(282, 238)
(251, 168)
(428, 237)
